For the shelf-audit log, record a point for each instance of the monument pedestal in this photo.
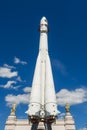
(69, 121)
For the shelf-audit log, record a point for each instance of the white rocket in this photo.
(43, 104)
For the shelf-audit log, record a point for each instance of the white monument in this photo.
(42, 104)
(42, 111)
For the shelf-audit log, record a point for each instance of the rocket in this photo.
(42, 104)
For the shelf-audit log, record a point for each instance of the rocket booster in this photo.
(43, 98)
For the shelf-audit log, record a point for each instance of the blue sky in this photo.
(19, 43)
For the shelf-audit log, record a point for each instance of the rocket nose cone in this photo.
(43, 17)
(43, 20)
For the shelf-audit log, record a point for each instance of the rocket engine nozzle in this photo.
(34, 119)
(50, 119)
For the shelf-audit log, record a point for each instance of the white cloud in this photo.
(19, 79)
(27, 89)
(16, 87)
(21, 98)
(9, 84)
(73, 97)
(83, 128)
(60, 67)
(18, 61)
(8, 66)
(7, 72)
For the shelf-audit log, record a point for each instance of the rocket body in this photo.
(43, 98)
